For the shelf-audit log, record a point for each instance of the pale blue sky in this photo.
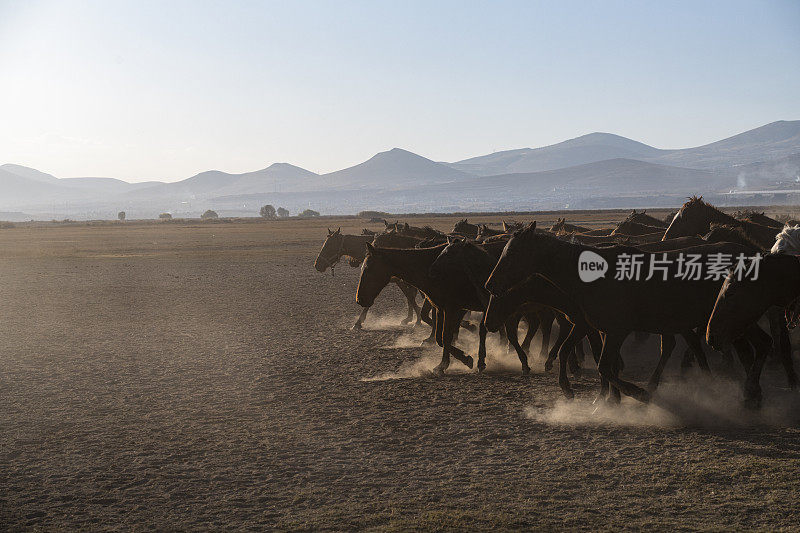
(147, 89)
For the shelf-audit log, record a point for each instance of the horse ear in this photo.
(338, 230)
(370, 249)
(531, 226)
(330, 232)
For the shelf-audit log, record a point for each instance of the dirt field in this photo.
(202, 376)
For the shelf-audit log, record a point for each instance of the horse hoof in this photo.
(356, 327)
(548, 366)
(577, 371)
(438, 370)
(468, 361)
(405, 322)
(426, 342)
(526, 370)
(481, 366)
(568, 394)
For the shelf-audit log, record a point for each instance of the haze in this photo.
(154, 90)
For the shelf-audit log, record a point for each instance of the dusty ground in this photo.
(178, 376)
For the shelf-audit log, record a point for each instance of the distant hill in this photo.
(18, 190)
(581, 150)
(623, 175)
(277, 176)
(394, 169)
(770, 142)
(573, 172)
(767, 143)
(29, 173)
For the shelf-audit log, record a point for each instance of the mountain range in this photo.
(577, 169)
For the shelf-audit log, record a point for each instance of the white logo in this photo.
(591, 266)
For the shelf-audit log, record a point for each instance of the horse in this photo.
(461, 258)
(759, 218)
(643, 218)
(476, 263)
(338, 245)
(696, 216)
(741, 302)
(662, 303)
(561, 226)
(631, 226)
(465, 229)
(450, 297)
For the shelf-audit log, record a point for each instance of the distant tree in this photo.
(209, 215)
(283, 212)
(121, 215)
(309, 213)
(268, 211)
(165, 216)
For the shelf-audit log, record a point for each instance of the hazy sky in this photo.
(165, 89)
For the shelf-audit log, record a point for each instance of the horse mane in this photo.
(787, 241)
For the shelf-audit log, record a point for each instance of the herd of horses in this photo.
(523, 272)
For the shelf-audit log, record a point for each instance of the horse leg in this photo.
(752, 387)
(445, 362)
(451, 322)
(425, 313)
(610, 365)
(436, 324)
(667, 345)
(410, 292)
(360, 319)
(482, 344)
(575, 335)
(533, 325)
(696, 348)
(546, 318)
(564, 328)
(580, 353)
(512, 335)
(744, 351)
(781, 344)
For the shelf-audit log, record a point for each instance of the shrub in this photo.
(165, 216)
(268, 211)
(309, 213)
(209, 215)
(282, 212)
(121, 215)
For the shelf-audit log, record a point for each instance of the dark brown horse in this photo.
(642, 217)
(463, 259)
(465, 229)
(664, 303)
(450, 298)
(338, 245)
(695, 217)
(741, 302)
(561, 226)
(758, 217)
(631, 226)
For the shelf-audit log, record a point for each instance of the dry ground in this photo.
(202, 376)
